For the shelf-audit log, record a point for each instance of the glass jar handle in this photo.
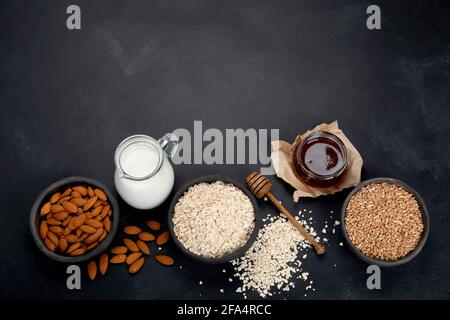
(169, 143)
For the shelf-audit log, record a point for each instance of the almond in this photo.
(87, 229)
(69, 206)
(103, 263)
(92, 269)
(80, 202)
(79, 220)
(93, 223)
(73, 247)
(154, 225)
(103, 235)
(146, 236)
(98, 203)
(96, 211)
(62, 215)
(89, 203)
(65, 223)
(82, 190)
(67, 192)
(56, 208)
(45, 209)
(64, 199)
(90, 192)
(107, 223)
(78, 252)
(100, 194)
(105, 211)
(50, 245)
(43, 228)
(53, 238)
(120, 258)
(92, 245)
(131, 245)
(56, 230)
(78, 232)
(71, 238)
(76, 194)
(93, 237)
(119, 250)
(164, 260)
(143, 247)
(163, 238)
(62, 244)
(53, 222)
(136, 266)
(132, 230)
(133, 257)
(55, 197)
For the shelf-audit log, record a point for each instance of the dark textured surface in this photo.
(68, 98)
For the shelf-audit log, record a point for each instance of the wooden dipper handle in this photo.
(260, 186)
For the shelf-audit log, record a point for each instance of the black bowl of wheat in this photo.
(385, 222)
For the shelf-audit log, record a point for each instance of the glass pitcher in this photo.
(144, 176)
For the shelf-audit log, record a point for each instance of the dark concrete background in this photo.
(67, 98)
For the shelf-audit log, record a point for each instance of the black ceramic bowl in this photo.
(61, 186)
(236, 254)
(425, 217)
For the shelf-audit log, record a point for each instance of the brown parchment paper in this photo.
(282, 152)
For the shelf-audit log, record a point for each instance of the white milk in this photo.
(144, 176)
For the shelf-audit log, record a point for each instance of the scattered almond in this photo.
(131, 245)
(132, 230)
(154, 225)
(136, 266)
(133, 257)
(164, 260)
(146, 236)
(103, 263)
(92, 269)
(143, 247)
(120, 258)
(119, 250)
(163, 238)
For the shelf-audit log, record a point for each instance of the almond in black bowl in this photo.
(74, 219)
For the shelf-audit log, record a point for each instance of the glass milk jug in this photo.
(144, 176)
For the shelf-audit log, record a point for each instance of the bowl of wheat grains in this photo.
(385, 222)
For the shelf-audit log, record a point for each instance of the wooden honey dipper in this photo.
(260, 186)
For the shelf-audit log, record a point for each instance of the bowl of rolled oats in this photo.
(213, 219)
(385, 222)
